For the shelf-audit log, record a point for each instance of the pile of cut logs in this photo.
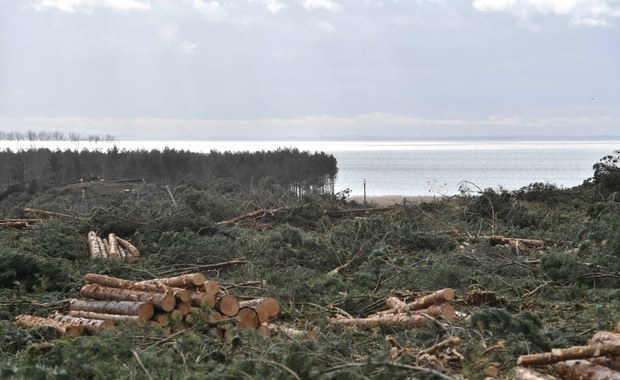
(599, 360)
(173, 304)
(112, 247)
(412, 314)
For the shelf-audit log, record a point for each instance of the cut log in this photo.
(113, 246)
(609, 362)
(263, 330)
(260, 309)
(576, 352)
(183, 281)
(270, 304)
(584, 370)
(102, 249)
(143, 310)
(184, 307)
(396, 304)
(133, 251)
(396, 320)
(522, 373)
(62, 328)
(180, 294)
(93, 246)
(227, 304)
(437, 297)
(247, 319)
(603, 337)
(89, 324)
(288, 331)
(109, 317)
(446, 311)
(166, 302)
(212, 287)
(519, 244)
(163, 319)
(451, 342)
(201, 299)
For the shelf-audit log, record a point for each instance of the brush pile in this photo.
(172, 304)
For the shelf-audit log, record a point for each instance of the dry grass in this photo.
(388, 200)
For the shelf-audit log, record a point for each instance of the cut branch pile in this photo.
(600, 359)
(172, 304)
(113, 246)
(18, 223)
(419, 312)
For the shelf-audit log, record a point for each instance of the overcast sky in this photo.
(177, 69)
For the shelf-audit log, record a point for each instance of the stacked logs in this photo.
(172, 304)
(412, 314)
(112, 247)
(600, 359)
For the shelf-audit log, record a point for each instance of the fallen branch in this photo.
(451, 342)
(388, 321)
(62, 328)
(52, 213)
(571, 353)
(250, 215)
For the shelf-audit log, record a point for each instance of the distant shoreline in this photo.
(389, 200)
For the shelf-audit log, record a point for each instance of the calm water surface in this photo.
(419, 168)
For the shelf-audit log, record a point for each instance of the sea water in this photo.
(415, 167)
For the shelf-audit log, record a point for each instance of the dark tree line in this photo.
(291, 168)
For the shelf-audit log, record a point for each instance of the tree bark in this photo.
(396, 304)
(133, 251)
(166, 302)
(113, 246)
(446, 311)
(102, 249)
(62, 328)
(584, 370)
(576, 352)
(529, 374)
(396, 320)
(609, 362)
(109, 317)
(437, 297)
(89, 324)
(143, 310)
(602, 337)
(288, 331)
(180, 294)
(183, 281)
(93, 246)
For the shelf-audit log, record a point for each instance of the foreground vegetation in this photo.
(556, 296)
